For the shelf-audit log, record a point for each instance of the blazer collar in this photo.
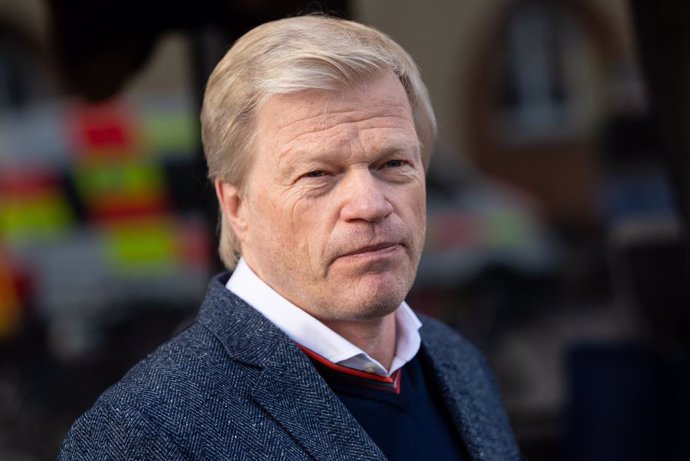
(289, 388)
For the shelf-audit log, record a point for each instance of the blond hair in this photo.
(287, 56)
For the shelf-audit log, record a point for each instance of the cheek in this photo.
(270, 223)
(306, 229)
(416, 219)
(416, 205)
(422, 214)
(314, 225)
(293, 225)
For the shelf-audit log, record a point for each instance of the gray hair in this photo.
(287, 56)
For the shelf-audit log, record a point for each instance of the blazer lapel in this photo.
(470, 393)
(296, 396)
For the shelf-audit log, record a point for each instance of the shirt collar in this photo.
(306, 330)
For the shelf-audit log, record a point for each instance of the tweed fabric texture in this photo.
(232, 386)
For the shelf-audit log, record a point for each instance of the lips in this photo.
(372, 248)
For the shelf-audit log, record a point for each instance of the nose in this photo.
(364, 198)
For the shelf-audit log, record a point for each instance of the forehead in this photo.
(376, 110)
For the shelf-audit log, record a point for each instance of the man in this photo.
(317, 133)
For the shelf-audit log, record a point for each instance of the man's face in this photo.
(333, 214)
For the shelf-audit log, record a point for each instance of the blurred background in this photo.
(558, 203)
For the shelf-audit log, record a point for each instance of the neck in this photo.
(376, 337)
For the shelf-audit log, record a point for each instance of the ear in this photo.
(230, 201)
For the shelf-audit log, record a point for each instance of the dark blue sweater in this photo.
(402, 414)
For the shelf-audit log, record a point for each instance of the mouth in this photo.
(372, 250)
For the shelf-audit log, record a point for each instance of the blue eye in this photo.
(315, 174)
(393, 163)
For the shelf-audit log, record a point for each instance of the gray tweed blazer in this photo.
(232, 386)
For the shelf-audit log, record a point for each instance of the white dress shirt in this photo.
(309, 332)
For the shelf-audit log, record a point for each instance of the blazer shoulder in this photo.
(115, 432)
(155, 401)
(445, 339)
(194, 362)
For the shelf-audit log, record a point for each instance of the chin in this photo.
(378, 299)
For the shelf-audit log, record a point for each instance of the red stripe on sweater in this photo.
(393, 380)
